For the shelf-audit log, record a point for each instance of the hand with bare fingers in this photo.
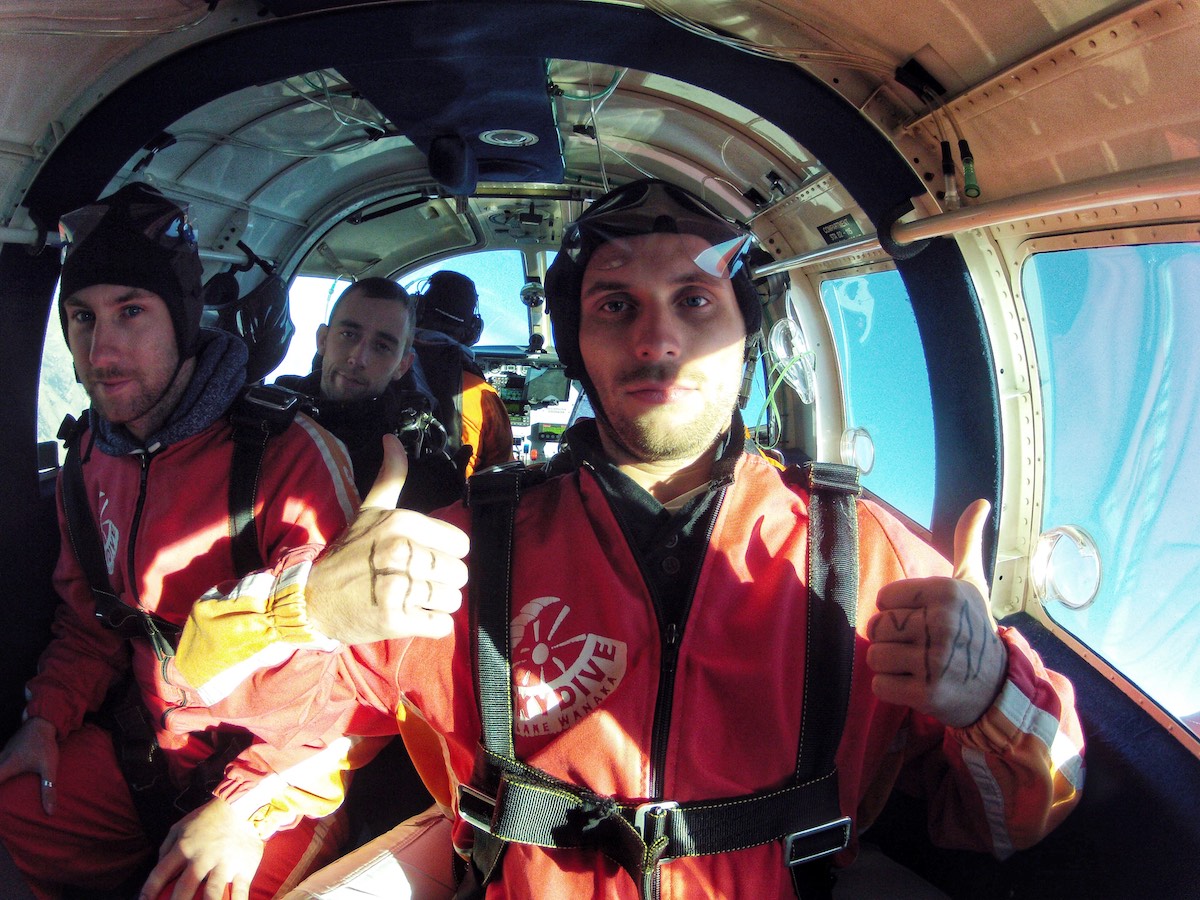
(207, 852)
(393, 573)
(934, 645)
(34, 748)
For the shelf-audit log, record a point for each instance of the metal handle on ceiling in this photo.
(1162, 182)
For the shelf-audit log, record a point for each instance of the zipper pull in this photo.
(671, 650)
(162, 647)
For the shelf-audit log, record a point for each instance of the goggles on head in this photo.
(650, 207)
(160, 220)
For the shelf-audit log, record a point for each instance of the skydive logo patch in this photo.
(112, 536)
(559, 675)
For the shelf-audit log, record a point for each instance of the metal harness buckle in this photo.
(816, 842)
(274, 398)
(475, 807)
(656, 808)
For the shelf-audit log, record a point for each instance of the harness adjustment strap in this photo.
(834, 477)
(557, 815)
(497, 484)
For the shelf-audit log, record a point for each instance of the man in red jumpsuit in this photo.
(658, 623)
(156, 457)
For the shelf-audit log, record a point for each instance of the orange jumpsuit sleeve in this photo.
(485, 424)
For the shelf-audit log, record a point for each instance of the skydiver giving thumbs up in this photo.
(409, 566)
(685, 695)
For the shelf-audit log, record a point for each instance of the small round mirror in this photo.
(858, 449)
(1066, 567)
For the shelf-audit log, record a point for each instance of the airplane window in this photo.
(59, 393)
(309, 301)
(888, 407)
(499, 276)
(1116, 330)
(756, 413)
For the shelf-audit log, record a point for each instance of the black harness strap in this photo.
(493, 495)
(85, 541)
(259, 413)
(832, 617)
(513, 802)
(833, 610)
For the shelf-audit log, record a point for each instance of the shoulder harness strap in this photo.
(510, 801)
(259, 412)
(85, 541)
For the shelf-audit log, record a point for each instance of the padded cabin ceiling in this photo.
(462, 97)
(461, 102)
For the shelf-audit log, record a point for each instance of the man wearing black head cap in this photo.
(363, 353)
(87, 793)
(698, 675)
(448, 326)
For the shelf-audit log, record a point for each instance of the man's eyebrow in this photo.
(387, 335)
(684, 278)
(607, 286)
(134, 293)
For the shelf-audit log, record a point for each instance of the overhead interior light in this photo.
(508, 137)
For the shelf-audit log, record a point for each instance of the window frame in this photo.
(1027, 428)
(832, 416)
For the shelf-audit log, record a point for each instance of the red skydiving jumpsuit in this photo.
(606, 698)
(163, 518)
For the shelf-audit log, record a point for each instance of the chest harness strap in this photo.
(511, 802)
(258, 413)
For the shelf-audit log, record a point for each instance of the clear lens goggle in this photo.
(165, 224)
(643, 208)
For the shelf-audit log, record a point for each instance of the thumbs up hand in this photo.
(393, 573)
(934, 645)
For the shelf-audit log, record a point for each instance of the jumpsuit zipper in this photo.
(672, 638)
(161, 646)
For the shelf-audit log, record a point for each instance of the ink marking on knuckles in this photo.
(899, 618)
(964, 639)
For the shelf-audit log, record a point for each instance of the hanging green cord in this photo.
(779, 372)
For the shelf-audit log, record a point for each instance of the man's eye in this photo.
(132, 311)
(696, 300)
(615, 306)
(82, 316)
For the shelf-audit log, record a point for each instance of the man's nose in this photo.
(656, 334)
(359, 355)
(107, 345)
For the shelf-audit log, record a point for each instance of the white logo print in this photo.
(112, 537)
(558, 677)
